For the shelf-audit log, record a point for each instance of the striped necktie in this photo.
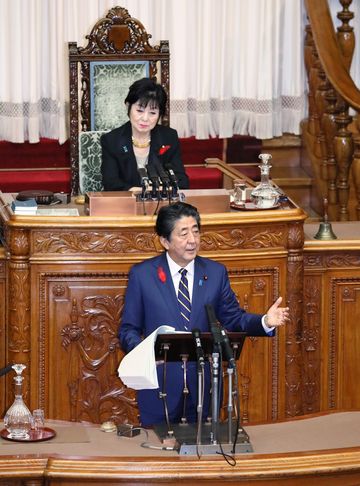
(184, 296)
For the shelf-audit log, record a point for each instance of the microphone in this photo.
(161, 172)
(144, 181)
(228, 352)
(163, 177)
(199, 350)
(213, 323)
(153, 176)
(172, 175)
(173, 181)
(219, 335)
(5, 370)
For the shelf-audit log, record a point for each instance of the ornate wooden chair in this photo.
(117, 54)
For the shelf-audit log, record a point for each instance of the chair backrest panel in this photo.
(117, 54)
(109, 85)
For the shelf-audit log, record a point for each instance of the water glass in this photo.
(239, 192)
(38, 419)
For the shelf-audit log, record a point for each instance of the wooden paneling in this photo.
(79, 317)
(331, 330)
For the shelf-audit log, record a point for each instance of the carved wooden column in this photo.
(343, 142)
(293, 371)
(345, 33)
(343, 149)
(19, 340)
(74, 115)
(329, 125)
(308, 57)
(320, 100)
(314, 82)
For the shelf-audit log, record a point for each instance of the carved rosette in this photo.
(295, 271)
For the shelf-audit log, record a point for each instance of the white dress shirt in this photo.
(176, 276)
(190, 267)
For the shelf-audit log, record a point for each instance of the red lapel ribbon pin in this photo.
(161, 274)
(163, 149)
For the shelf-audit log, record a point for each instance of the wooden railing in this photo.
(332, 131)
(229, 172)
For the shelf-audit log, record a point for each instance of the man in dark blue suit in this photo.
(151, 300)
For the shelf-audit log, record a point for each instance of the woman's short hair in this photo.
(147, 92)
(170, 214)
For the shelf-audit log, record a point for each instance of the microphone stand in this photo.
(200, 371)
(230, 371)
(184, 358)
(215, 397)
(174, 185)
(163, 395)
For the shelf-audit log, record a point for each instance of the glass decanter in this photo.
(265, 195)
(18, 418)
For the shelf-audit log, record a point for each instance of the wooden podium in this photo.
(63, 279)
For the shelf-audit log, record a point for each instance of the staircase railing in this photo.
(332, 131)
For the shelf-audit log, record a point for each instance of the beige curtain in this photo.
(236, 66)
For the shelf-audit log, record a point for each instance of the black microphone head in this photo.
(196, 332)
(172, 176)
(160, 170)
(152, 172)
(210, 312)
(142, 172)
(144, 177)
(213, 323)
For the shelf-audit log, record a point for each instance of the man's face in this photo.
(184, 241)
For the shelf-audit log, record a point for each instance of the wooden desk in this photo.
(66, 278)
(317, 451)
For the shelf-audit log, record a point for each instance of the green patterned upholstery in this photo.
(109, 85)
(90, 162)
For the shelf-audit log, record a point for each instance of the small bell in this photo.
(325, 231)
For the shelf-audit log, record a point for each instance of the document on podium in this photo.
(137, 369)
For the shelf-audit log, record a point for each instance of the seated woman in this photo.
(139, 141)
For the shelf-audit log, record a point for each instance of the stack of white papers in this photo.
(137, 369)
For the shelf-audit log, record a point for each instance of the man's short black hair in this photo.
(169, 215)
(147, 92)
